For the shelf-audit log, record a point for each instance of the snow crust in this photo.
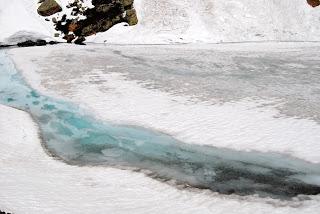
(184, 21)
(215, 21)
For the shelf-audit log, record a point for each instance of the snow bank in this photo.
(32, 182)
(19, 17)
(170, 21)
(181, 21)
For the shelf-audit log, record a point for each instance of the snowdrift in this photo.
(184, 21)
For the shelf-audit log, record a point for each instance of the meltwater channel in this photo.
(78, 138)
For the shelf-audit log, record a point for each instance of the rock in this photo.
(100, 18)
(69, 37)
(131, 17)
(30, 43)
(104, 8)
(4, 46)
(27, 43)
(53, 42)
(314, 3)
(73, 26)
(48, 8)
(127, 3)
(80, 40)
(41, 42)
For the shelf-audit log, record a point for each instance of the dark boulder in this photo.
(80, 40)
(314, 3)
(127, 3)
(27, 43)
(69, 37)
(131, 17)
(52, 42)
(30, 43)
(48, 8)
(41, 42)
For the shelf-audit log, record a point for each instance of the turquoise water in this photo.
(78, 138)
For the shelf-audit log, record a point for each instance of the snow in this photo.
(94, 77)
(33, 182)
(185, 21)
(214, 21)
(103, 80)
(19, 21)
(17, 16)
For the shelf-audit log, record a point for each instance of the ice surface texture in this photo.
(78, 138)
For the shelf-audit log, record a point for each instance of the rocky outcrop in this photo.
(48, 7)
(100, 18)
(314, 3)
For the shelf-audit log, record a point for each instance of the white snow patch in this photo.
(184, 21)
(22, 36)
(21, 16)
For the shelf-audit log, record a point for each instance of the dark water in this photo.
(79, 138)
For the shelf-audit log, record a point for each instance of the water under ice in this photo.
(78, 138)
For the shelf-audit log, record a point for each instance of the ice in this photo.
(33, 182)
(78, 138)
(131, 89)
(123, 97)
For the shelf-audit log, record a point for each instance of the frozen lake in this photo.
(212, 75)
(161, 120)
